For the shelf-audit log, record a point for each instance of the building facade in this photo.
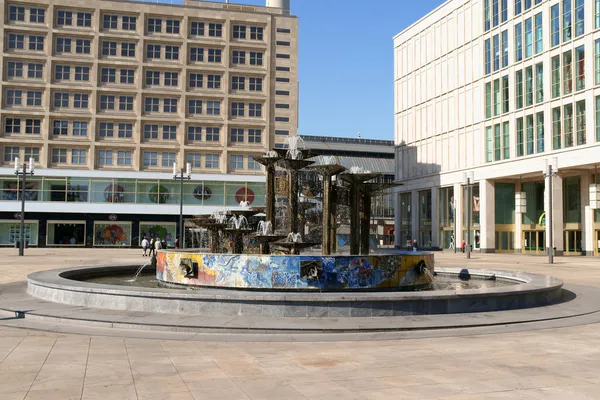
(106, 96)
(495, 90)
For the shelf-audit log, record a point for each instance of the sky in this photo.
(346, 63)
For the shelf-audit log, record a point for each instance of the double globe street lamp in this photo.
(181, 176)
(22, 171)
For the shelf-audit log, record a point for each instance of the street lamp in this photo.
(23, 173)
(550, 174)
(182, 175)
(468, 180)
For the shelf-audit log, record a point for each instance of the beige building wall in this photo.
(146, 93)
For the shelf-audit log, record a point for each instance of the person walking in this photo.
(415, 246)
(152, 243)
(145, 246)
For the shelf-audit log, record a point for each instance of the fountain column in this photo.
(293, 199)
(332, 220)
(365, 222)
(354, 219)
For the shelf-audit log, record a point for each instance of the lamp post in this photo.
(468, 179)
(550, 174)
(181, 176)
(23, 173)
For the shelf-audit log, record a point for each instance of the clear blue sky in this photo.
(346, 63)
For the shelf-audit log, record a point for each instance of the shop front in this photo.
(66, 233)
(572, 234)
(446, 217)
(10, 232)
(533, 240)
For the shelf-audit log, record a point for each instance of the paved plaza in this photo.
(537, 363)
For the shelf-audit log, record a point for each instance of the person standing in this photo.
(152, 243)
(157, 246)
(145, 246)
(415, 246)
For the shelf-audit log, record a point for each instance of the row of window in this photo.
(123, 158)
(111, 21)
(113, 48)
(568, 130)
(124, 130)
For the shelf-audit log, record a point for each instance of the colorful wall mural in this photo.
(294, 272)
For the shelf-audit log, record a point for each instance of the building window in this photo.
(36, 43)
(80, 128)
(64, 18)
(152, 104)
(539, 126)
(236, 161)
(238, 83)
(213, 81)
(150, 159)
(125, 130)
(16, 13)
(83, 46)
(568, 126)
(505, 95)
(169, 132)
(63, 45)
(215, 30)
(127, 76)
(580, 112)
(32, 152)
(109, 48)
(107, 102)
(37, 15)
(566, 4)
(282, 92)
(106, 129)
(488, 144)
(555, 77)
(237, 135)
(129, 23)
(254, 136)
(256, 58)
(194, 133)
(214, 55)
(170, 105)
(211, 161)
(108, 75)
(59, 156)
(173, 26)
(539, 83)
(126, 103)
(34, 98)
(153, 51)
(35, 71)
(282, 56)
(580, 68)
(15, 69)
(237, 109)
(61, 100)
(212, 134)
(506, 141)
(255, 110)
(150, 131)
(555, 25)
(172, 79)
(556, 129)
(579, 17)
(33, 126)
(597, 118)
(597, 61)
(124, 158)
(528, 38)
(519, 89)
(196, 80)
(154, 25)
(253, 165)
(172, 52)
(16, 42)
(488, 57)
(196, 54)
(152, 78)
(256, 32)
(495, 12)
(168, 159)
(82, 74)
(539, 35)
(10, 153)
(530, 134)
(194, 106)
(486, 19)
(518, 7)
(255, 84)
(504, 49)
(127, 49)
(213, 107)
(528, 86)
(496, 97)
(239, 32)
(79, 156)
(12, 125)
(567, 73)
(238, 57)
(84, 19)
(110, 21)
(497, 143)
(197, 28)
(195, 159)
(60, 128)
(520, 148)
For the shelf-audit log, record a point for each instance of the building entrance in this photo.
(573, 243)
(505, 238)
(534, 242)
(597, 243)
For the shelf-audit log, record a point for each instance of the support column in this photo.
(414, 216)
(365, 223)
(435, 217)
(270, 198)
(557, 214)
(458, 215)
(397, 220)
(332, 219)
(518, 244)
(587, 217)
(487, 216)
(354, 220)
(293, 200)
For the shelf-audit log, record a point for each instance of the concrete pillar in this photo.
(518, 244)
(415, 215)
(587, 217)
(397, 219)
(458, 214)
(435, 217)
(557, 214)
(487, 211)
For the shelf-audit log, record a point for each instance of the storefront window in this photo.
(161, 230)
(10, 233)
(447, 212)
(405, 228)
(472, 205)
(112, 234)
(535, 203)
(597, 212)
(425, 219)
(66, 233)
(572, 200)
(504, 203)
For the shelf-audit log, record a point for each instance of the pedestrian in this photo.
(415, 247)
(176, 243)
(463, 246)
(145, 246)
(163, 243)
(152, 244)
(157, 246)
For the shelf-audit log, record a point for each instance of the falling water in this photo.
(295, 146)
(431, 279)
(271, 154)
(220, 216)
(244, 204)
(330, 160)
(139, 271)
(358, 170)
(239, 222)
(294, 238)
(265, 228)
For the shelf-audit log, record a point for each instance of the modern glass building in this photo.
(496, 90)
(107, 95)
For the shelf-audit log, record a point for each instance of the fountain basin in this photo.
(408, 271)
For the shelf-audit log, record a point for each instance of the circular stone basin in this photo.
(408, 271)
(68, 286)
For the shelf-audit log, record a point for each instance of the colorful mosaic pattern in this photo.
(294, 272)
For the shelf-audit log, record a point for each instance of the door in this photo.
(573, 243)
(597, 243)
(534, 242)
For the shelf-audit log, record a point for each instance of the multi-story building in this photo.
(107, 95)
(495, 90)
